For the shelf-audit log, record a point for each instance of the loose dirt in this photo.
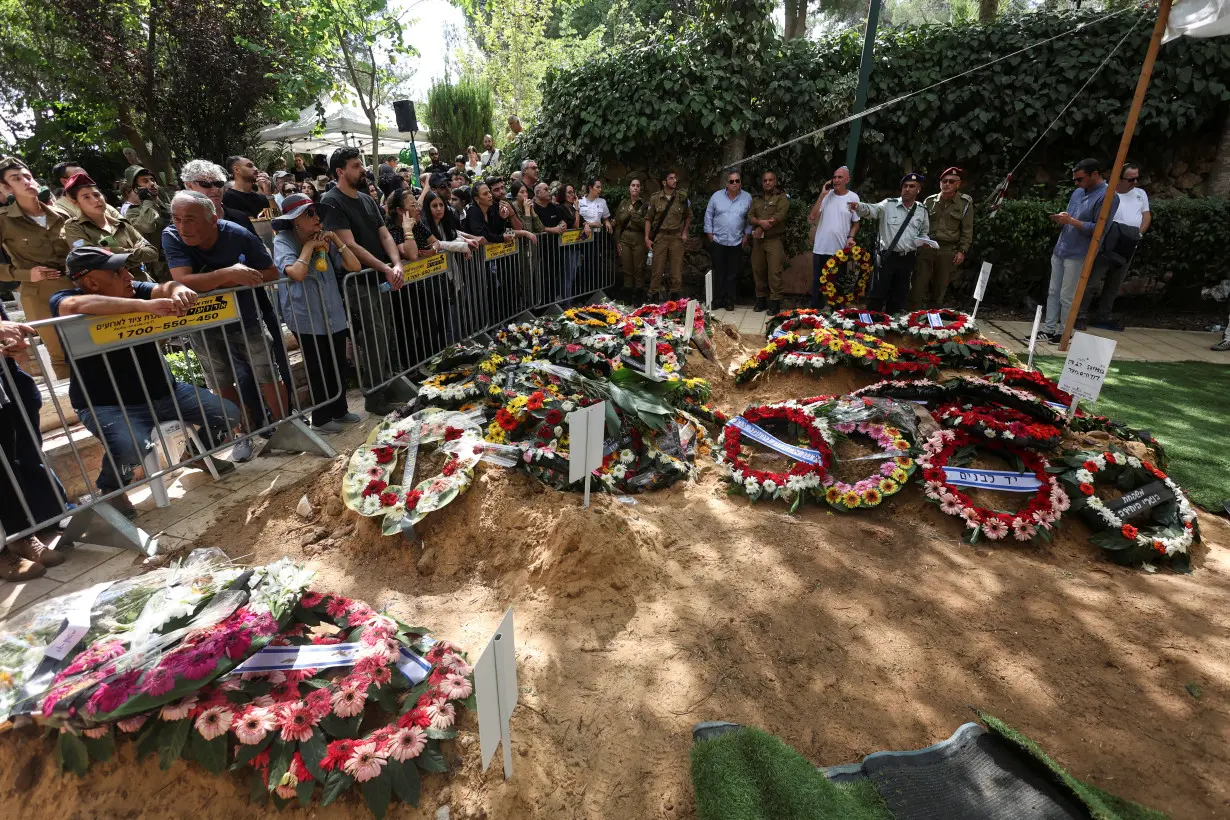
(841, 633)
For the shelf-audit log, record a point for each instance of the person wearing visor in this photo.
(313, 260)
(101, 226)
(903, 221)
(121, 396)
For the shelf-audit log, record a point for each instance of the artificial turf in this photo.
(1183, 404)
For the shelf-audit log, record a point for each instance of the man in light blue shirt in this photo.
(728, 232)
(1073, 243)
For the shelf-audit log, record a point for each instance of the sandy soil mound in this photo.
(842, 633)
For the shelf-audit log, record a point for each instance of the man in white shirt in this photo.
(836, 225)
(1128, 224)
(490, 155)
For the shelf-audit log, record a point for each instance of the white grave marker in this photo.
(708, 295)
(495, 689)
(689, 316)
(1084, 371)
(981, 287)
(586, 427)
(1033, 337)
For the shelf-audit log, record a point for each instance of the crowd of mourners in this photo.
(337, 238)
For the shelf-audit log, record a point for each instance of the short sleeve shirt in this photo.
(313, 306)
(594, 210)
(357, 214)
(233, 246)
(1132, 208)
(835, 220)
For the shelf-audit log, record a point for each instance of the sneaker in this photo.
(349, 418)
(1224, 344)
(759, 306)
(1109, 324)
(36, 552)
(121, 504)
(17, 569)
(242, 451)
(328, 427)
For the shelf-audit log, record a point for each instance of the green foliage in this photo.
(185, 368)
(459, 114)
(677, 98)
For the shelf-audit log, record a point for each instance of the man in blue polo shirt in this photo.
(132, 388)
(206, 253)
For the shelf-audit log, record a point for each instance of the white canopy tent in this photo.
(343, 125)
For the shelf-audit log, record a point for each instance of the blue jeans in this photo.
(197, 406)
(1065, 274)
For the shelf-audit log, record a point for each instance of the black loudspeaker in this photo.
(406, 121)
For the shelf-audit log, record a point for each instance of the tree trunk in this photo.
(988, 10)
(796, 19)
(1218, 183)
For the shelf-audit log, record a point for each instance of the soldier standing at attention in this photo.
(768, 218)
(666, 225)
(630, 231)
(952, 225)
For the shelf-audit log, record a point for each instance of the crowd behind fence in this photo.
(123, 391)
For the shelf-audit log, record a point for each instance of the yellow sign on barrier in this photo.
(125, 327)
(413, 271)
(574, 237)
(497, 250)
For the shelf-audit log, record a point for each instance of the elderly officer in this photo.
(952, 226)
(903, 221)
(768, 219)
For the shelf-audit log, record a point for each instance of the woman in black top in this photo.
(483, 216)
(411, 236)
(570, 255)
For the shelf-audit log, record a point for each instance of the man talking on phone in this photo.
(30, 236)
(836, 225)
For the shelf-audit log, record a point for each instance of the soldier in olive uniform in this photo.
(630, 230)
(952, 226)
(151, 216)
(666, 225)
(768, 217)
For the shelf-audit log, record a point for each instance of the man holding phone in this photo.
(30, 234)
(836, 224)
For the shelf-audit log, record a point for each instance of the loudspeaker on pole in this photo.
(406, 121)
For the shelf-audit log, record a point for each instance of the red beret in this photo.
(954, 170)
(78, 180)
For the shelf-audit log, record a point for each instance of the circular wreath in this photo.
(836, 273)
(982, 354)
(955, 324)
(800, 480)
(915, 390)
(453, 388)
(776, 320)
(989, 392)
(1173, 525)
(851, 319)
(854, 349)
(1031, 523)
(1001, 423)
(805, 360)
(889, 479)
(910, 363)
(758, 362)
(592, 316)
(813, 321)
(1035, 382)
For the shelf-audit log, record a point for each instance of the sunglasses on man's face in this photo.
(210, 183)
(949, 181)
(1079, 179)
(734, 182)
(1132, 180)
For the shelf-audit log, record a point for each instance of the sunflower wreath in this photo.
(1172, 527)
(980, 354)
(596, 316)
(853, 349)
(813, 321)
(800, 481)
(1032, 523)
(954, 324)
(890, 476)
(758, 362)
(1001, 423)
(852, 319)
(835, 273)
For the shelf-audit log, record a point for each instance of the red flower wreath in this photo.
(1036, 382)
(1004, 423)
(1031, 522)
(954, 324)
(807, 320)
(775, 483)
(910, 364)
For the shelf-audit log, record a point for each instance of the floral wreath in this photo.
(955, 324)
(676, 311)
(910, 363)
(777, 319)
(805, 360)
(803, 479)
(813, 321)
(831, 270)
(453, 388)
(888, 480)
(1174, 526)
(851, 319)
(598, 316)
(1035, 381)
(1002, 423)
(759, 361)
(915, 390)
(971, 353)
(854, 349)
(989, 392)
(1031, 523)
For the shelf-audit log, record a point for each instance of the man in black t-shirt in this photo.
(434, 165)
(557, 261)
(380, 320)
(132, 382)
(251, 191)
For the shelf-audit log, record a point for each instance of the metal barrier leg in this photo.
(295, 436)
(209, 460)
(102, 524)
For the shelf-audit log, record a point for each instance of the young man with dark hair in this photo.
(121, 397)
(1068, 257)
(151, 215)
(355, 218)
(251, 191)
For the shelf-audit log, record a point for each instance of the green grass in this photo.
(1183, 404)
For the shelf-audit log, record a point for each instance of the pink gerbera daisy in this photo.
(406, 744)
(158, 682)
(442, 714)
(1022, 530)
(178, 710)
(297, 720)
(348, 702)
(365, 762)
(381, 675)
(950, 505)
(214, 722)
(995, 529)
(319, 701)
(254, 724)
(131, 724)
(456, 687)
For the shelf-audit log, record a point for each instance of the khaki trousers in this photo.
(933, 272)
(36, 303)
(768, 256)
(667, 248)
(632, 258)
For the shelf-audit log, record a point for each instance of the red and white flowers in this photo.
(952, 323)
(804, 478)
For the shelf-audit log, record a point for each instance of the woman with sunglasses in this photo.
(312, 304)
(208, 178)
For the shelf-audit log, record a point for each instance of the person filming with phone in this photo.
(836, 225)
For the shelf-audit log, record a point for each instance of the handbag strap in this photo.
(901, 230)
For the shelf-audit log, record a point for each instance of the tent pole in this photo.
(1129, 128)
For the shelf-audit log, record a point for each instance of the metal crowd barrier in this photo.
(278, 412)
(447, 297)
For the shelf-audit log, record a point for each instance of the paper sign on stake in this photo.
(1084, 371)
(1033, 337)
(586, 427)
(78, 623)
(495, 690)
(689, 317)
(981, 287)
(651, 353)
(709, 291)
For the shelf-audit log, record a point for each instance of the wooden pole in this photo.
(1129, 128)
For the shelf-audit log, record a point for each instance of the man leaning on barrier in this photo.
(122, 396)
(206, 254)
